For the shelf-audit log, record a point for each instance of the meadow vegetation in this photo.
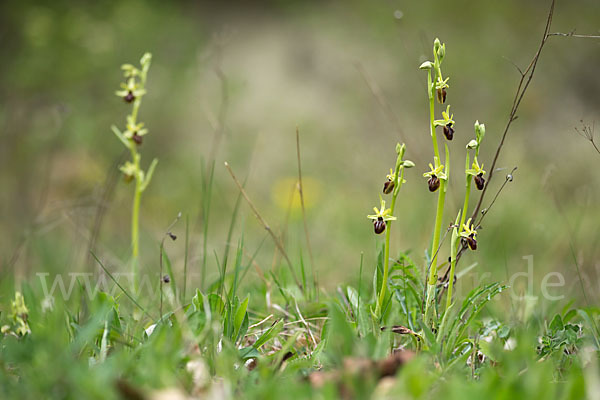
(241, 299)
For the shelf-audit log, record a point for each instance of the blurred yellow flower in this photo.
(285, 194)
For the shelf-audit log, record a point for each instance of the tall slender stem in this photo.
(451, 281)
(466, 204)
(135, 237)
(432, 279)
(386, 260)
(386, 267)
(431, 90)
(453, 251)
(140, 182)
(457, 231)
(436, 233)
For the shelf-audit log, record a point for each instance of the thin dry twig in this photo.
(284, 229)
(477, 224)
(301, 192)
(305, 323)
(264, 224)
(268, 317)
(383, 103)
(433, 258)
(587, 132)
(526, 77)
(573, 34)
(39, 208)
(218, 126)
(570, 235)
(484, 212)
(108, 190)
(170, 235)
(257, 267)
(218, 123)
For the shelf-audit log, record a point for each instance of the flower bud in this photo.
(129, 97)
(434, 183)
(426, 65)
(128, 170)
(388, 186)
(379, 225)
(408, 164)
(436, 45)
(448, 131)
(479, 130)
(441, 95)
(146, 58)
(472, 144)
(441, 52)
(479, 181)
(400, 149)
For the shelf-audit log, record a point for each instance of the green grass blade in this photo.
(134, 301)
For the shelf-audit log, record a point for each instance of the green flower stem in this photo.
(453, 252)
(466, 204)
(431, 88)
(386, 261)
(451, 276)
(437, 233)
(135, 238)
(456, 235)
(140, 184)
(137, 197)
(433, 275)
(467, 195)
(432, 280)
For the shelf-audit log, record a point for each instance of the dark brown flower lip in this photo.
(379, 225)
(129, 97)
(449, 131)
(434, 183)
(472, 242)
(137, 138)
(388, 186)
(479, 181)
(441, 96)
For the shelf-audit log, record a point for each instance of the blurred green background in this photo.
(264, 68)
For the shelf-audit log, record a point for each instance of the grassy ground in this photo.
(223, 308)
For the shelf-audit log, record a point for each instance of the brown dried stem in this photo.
(265, 225)
(301, 192)
(526, 77)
